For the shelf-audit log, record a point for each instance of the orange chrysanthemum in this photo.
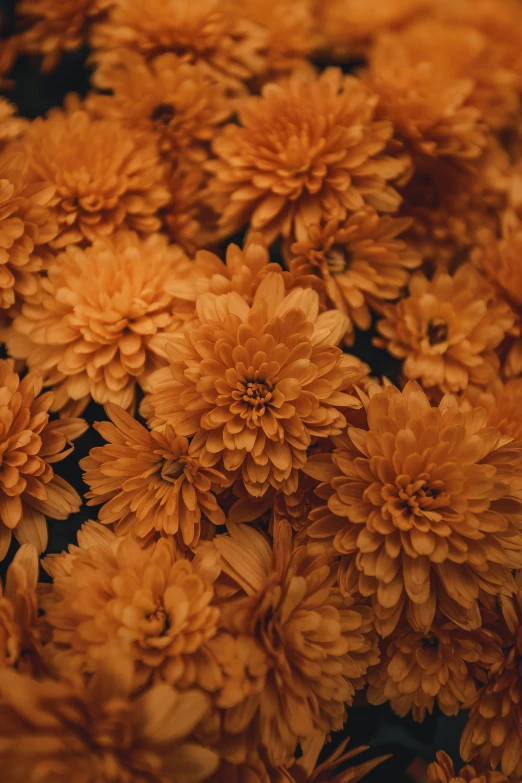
(430, 110)
(423, 506)
(350, 26)
(441, 667)
(476, 62)
(451, 204)
(101, 317)
(274, 505)
(254, 385)
(318, 644)
(228, 46)
(11, 126)
(187, 218)
(500, 259)
(170, 98)
(56, 27)
(20, 642)
(494, 728)
(290, 29)
(150, 481)
(503, 403)
(443, 771)
(307, 149)
(105, 176)
(357, 265)
(447, 329)
(72, 731)
(157, 603)
(30, 444)
(26, 223)
(243, 271)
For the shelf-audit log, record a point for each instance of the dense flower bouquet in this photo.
(261, 304)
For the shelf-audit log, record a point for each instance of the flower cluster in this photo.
(269, 264)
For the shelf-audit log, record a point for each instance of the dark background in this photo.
(34, 93)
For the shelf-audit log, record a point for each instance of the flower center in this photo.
(163, 113)
(338, 259)
(430, 642)
(256, 393)
(437, 331)
(157, 622)
(172, 469)
(408, 501)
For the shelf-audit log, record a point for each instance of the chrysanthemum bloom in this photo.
(254, 385)
(169, 97)
(503, 403)
(357, 264)
(442, 667)
(443, 771)
(429, 109)
(308, 149)
(228, 46)
(101, 317)
(274, 505)
(150, 481)
(447, 329)
(65, 730)
(56, 27)
(20, 645)
(304, 770)
(451, 204)
(242, 271)
(26, 223)
(501, 261)
(291, 32)
(157, 603)
(350, 26)
(422, 506)
(186, 218)
(11, 126)
(494, 728)
(318, 644)
(458, 51)
(30, 444)
(105, 176)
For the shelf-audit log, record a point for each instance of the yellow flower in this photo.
(228, 46)
(30, 445)
(443, 771)
(20, 637)
(26, 223)
(150, 481)
(53, 28)
(254, 385)
(11, 126)
(431, 110)
(170, 98)
(500, 260)
(308, 149)
(446, 330)
(318, 644)
(424, 507)
(493, 732)
(100, 319)
(72, 731)
(155, 602)
(357, 265)
(105, 177)
(441, 667)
